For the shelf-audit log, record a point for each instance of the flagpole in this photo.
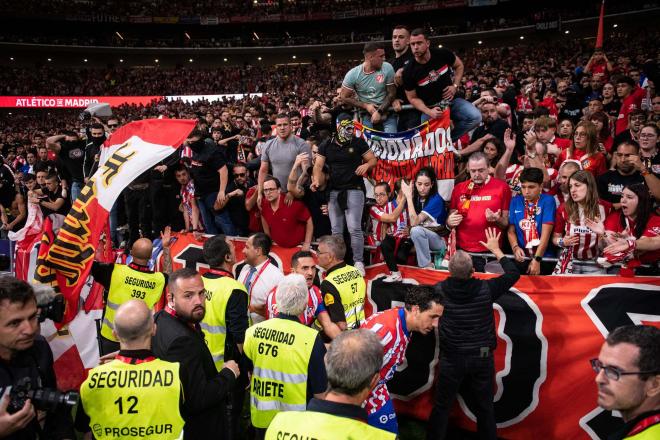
(600, 32)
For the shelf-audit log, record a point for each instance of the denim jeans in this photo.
(353, 215)
(464, 115)
(388, 124)
(473, 375)
(76, 187)
(215, 222)
(425, 241)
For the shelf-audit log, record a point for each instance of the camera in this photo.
(50, 304)
(99, 109)
(44, 399)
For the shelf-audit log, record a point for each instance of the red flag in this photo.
(66, 260)
(599, 36)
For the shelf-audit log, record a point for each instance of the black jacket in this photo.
(205, 390)
(37, 363)
(467, 323)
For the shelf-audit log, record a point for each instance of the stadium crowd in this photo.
(557, 163)
(294, 30)
(517, 90)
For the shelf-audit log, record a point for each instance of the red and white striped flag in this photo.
(130, 151)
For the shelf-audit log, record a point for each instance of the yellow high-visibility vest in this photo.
(351, 287)
(127, 284)
(321, 426)
(280, 351)
(214, 324)
(140, 400)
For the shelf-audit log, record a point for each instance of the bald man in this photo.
(151, 401)
(132, 281)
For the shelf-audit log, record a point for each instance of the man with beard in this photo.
(421, 313)
(628, 378)
(611, 184)
(402, 57)
(179, 339)
(492, 125)
(428, 81)
(569, 103)
(477, 204)
(234, 204)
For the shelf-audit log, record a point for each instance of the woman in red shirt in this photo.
(585, 149)
(635, 220)
(602, 123)
(578, 242)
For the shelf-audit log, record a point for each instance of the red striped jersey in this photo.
(314, 306)
(587, 248)
(380, 229)
(390, 326)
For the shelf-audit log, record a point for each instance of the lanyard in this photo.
(254, 281)
(134, 361)
(643, 424)
(221, 272)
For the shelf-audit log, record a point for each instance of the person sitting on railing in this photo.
(427, 214)
(389, 229)
(634, 221)
(578, 242)
(531, 220)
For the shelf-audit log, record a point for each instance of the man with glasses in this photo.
(636, 120)
(477, 204)
(235, 201)
(628, 378)
(288, 225)
(611, 184)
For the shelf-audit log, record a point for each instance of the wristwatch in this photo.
(537, 258)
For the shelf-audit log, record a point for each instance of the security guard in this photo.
(287, 358)
(343, 288)
(226, 316)
(135, 395)
(133, 281)
(353, 362)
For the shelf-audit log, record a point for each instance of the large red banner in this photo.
(402, 155)
(72, 101)
(548, 328)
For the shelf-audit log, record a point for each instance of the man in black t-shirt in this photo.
(71, 151)
(53, 201)
(403, 56)
(611, 183)
(208, 168)
(349, 159)
(235, 201)
(428, 81)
